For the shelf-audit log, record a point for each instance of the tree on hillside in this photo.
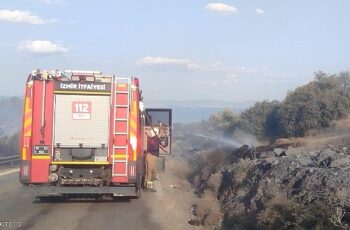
(227, 122)
(344, 80)
(299, 111)
(256, 117)
(273, 124)
(314, 105)
(333, 100)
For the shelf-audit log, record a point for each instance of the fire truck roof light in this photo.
(46, 73)
(35, 72)
(74, 75)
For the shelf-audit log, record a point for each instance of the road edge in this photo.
(9, 172)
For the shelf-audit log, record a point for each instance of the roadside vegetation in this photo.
(310, 107)
(9, 145)
(10, 121)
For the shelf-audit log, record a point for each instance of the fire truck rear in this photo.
(82, 134)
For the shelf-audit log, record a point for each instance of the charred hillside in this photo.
(285, 185)
(277, 165)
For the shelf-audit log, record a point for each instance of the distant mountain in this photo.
(183, 111)
(237, 106)
(196, 110)
(10, 115)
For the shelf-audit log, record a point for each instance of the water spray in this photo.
(226, 141)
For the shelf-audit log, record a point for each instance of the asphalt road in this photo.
(20, 210)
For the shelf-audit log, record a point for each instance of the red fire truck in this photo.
(83, 134)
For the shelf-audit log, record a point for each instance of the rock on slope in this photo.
(278, 188)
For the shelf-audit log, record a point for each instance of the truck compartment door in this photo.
(81, 121)
(155, 117)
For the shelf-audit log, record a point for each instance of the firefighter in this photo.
(152, 154)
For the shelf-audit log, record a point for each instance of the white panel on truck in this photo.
(81, 119)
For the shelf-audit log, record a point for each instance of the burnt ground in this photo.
(290, 184)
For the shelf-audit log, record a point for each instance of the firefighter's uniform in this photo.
(151, 160)
(151, 164)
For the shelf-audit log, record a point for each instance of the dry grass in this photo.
(337, 134)
(242, 170)
(214, 182)
(208, 210)
(280, 213)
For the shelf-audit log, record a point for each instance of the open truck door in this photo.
(160, 121)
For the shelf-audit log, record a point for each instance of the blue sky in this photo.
(184, 50)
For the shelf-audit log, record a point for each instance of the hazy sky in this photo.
(231, 50)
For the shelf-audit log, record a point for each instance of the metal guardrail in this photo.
(9, 160)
